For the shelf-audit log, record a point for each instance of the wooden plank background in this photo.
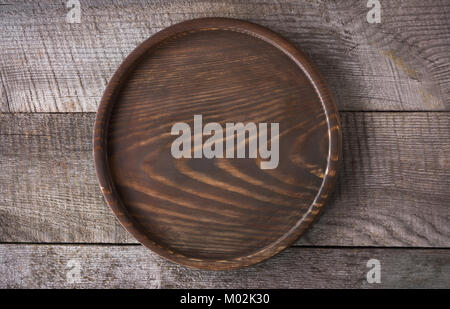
(48, 65)
(392, 190)
(45, 266)
(392, 85)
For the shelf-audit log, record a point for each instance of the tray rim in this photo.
(100, 150)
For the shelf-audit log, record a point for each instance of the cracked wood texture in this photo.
(48, 65)
(393, 186)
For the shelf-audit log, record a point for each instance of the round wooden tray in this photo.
(216, 213)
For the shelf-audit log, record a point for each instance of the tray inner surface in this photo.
(216, 208)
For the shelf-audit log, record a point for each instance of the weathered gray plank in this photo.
(50, 266)
(48, 65)
(392, 189)
(47, 183)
